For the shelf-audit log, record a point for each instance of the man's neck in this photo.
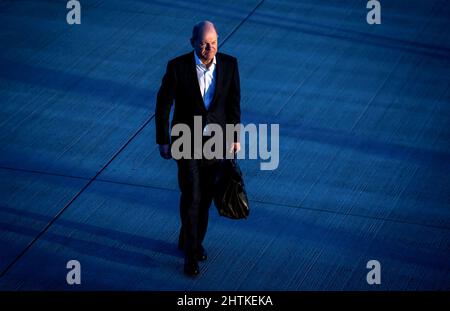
(205, 61)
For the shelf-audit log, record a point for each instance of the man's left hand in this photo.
(235, 147)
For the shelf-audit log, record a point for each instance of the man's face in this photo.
(206, 45)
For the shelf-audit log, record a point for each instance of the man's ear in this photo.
(192, 42)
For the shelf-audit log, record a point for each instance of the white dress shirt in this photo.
(206, 79)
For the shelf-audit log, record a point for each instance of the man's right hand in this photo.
(164, 151)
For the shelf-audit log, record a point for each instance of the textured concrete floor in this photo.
(364, 168)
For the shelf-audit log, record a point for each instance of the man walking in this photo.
(205, 84)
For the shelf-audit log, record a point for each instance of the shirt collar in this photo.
(198, 62)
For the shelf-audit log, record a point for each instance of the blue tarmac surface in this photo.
(364, 168)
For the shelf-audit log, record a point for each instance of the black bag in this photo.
(230, 197)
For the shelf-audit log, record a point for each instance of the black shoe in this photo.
(191, 267)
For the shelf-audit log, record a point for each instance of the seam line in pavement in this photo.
(399, 221)
(242, 22)
(50, 223)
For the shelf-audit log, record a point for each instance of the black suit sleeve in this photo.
(234, 100)
(164, 100)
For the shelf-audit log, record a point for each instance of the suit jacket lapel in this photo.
(193, 77)
(219, 78)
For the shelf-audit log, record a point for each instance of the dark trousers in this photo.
(196, 182)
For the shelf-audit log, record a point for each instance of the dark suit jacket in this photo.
(180, 86)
